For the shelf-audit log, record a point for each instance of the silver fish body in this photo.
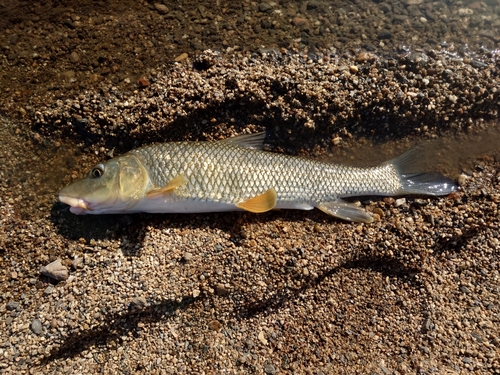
(235, 175)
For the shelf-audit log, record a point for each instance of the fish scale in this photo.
(235, 174)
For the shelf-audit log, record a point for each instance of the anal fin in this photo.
(346, 211)
(175, 183)
(261, 203)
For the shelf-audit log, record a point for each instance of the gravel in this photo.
(417, 291)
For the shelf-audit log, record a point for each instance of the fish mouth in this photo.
(79, 206)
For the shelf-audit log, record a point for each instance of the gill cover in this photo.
(110, 187)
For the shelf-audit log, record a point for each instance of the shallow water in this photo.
(462, 31)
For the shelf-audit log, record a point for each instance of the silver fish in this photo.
(236, 174)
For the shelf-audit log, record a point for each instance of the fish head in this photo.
(111, 187)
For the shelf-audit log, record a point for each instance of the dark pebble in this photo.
(221, 290)
(384, 34)
(12, 305)
(427, 326)
(69, 23)
(265, 7)
(13, 39)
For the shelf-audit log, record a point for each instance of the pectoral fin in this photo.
(178, 181)
(260, 203)
(346, 211)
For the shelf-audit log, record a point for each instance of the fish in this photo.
(237, 174)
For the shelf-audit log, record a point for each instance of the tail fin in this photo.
(427, 183)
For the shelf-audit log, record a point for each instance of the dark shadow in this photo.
(384, 265)
(131, 229)
(114, 327)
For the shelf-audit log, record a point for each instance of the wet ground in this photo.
(285, 292)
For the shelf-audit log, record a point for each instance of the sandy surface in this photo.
(417, 291)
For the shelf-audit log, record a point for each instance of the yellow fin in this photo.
(260, 203)
(178, 181)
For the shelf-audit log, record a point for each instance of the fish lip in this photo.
(78, 205)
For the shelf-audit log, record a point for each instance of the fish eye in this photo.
(97, 171)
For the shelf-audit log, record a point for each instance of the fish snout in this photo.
(79, 206)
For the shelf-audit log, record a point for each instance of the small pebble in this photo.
(269, 369)
(74, 57)
(262, 338)
(379, 212)
(55, 271)
(399, 202)
(36, 326)
(77, 263)
(138, 303)
(221, 290)
(143, 82)
(12, 305)
(462, 179)
(181, 57)
(215, 325)
(161, 8)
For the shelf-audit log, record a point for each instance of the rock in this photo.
(378, 211)
(269, 369)
(181, 57)
(384, 7)
(48, 290)
(187, 256)
(427, 326)
(384, 34)
(161, 8)
(138, 304)
(36, 326)
(215, 325)
(143, 82)
(463, 12)
(462, 179)
(312, 5)
(74, 57)
(299, 21)
(399, 202)
(365, 56)
(265, 7)
(262, 338)
(13, 305)
(221, 290)
(13, 39)
(77, 263)
(55, 271)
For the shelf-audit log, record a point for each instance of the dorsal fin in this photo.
(255, 141)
